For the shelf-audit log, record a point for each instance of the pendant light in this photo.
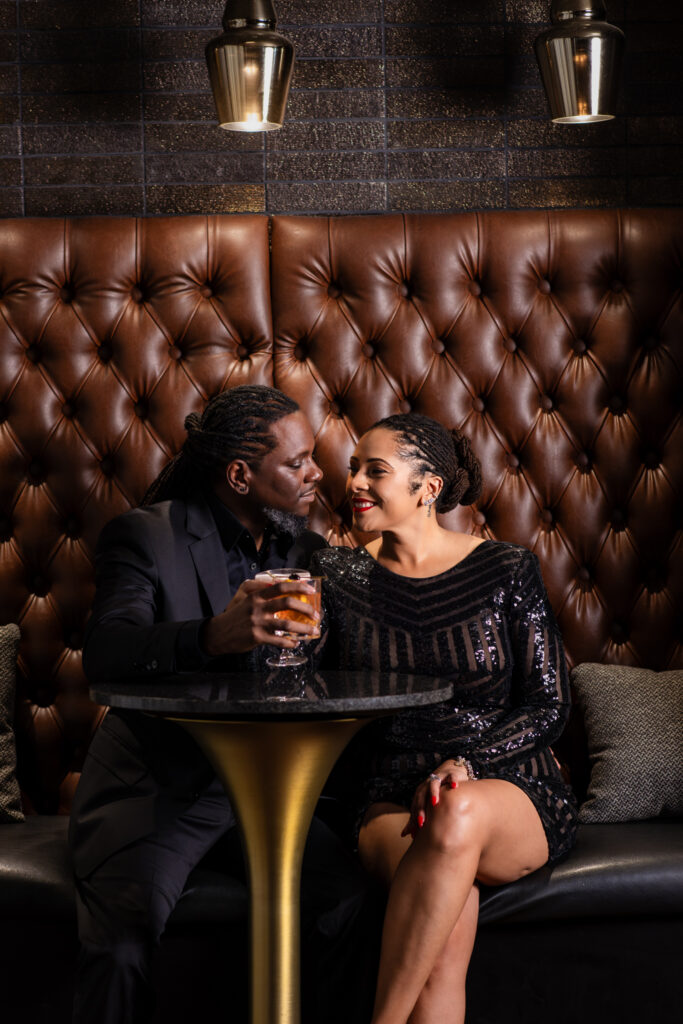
(580, 62)
(250, 67)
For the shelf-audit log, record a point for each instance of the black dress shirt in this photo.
(243, 561)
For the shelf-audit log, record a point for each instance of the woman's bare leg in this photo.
(488, 830)
(443, 997)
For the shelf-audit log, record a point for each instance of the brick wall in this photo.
(105, 107)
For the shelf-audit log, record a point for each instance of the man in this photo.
(175, 592)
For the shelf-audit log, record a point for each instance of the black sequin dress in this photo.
(487, 624)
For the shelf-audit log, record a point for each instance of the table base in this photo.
(273, 772)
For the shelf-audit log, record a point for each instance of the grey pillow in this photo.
(634, 727)
(10, 800)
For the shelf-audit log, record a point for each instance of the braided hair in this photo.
(235, 424)
(445, 453)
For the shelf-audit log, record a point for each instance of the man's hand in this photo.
(249, 619)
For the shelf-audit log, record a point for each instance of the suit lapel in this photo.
(208, 556)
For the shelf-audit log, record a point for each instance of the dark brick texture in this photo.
(415, 105)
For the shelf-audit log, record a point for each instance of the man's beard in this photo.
(286, 522)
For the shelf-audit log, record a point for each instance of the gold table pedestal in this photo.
(273, 772)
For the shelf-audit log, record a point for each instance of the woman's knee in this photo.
(457, 823)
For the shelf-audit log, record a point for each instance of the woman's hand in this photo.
(249, 619)
(450, 775)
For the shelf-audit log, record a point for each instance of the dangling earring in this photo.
(429, 502)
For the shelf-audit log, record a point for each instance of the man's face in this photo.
(287, 476)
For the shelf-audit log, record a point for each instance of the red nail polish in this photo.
(454, 785)
(420, 819)
(435, 800)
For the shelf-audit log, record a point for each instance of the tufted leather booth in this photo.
(554, 339)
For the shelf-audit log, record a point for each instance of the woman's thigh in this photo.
(381, 846)
(507, 826)
(496, 815)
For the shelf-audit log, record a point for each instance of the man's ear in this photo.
(238, 475)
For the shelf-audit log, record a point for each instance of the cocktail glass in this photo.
(311, 593)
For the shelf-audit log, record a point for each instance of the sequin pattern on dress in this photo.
(488, 625)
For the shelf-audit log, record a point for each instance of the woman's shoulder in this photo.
(339, 559)
(504, 552)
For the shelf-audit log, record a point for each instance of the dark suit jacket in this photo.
(160, 571)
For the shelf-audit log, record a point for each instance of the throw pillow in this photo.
(10, 800)
(634, 728)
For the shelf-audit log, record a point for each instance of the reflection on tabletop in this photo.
(300, 687)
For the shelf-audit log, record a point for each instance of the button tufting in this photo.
(547, 518)
(107, 466)
(438, 346)
(405, 405)
(174, 352)
(617, 286)
(333, 290)
(337, 518)
(39, 586)
(206, 290)
(68, 410)
(512, 460)
(368, 350)
(547, 403)
(335, 408)
(404, 290)
(3, 412)
(36, 472)
(618, 520)
(617, 405)
(478, 404)
(137, 294)
(651, 343)
(300, 352)
(74, 641)
(105, 353)
(242, 352)
(72, 528)
(5, 528)
(584, 578)
(478, 518)
(544, 286)
(580, 346)
(510, 344)
(33, 353)
(140, 408)
(475, 288)
(619, 633)
(66, 293)
(583, 461)
(651, 460)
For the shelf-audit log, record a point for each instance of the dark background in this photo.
(411, 105)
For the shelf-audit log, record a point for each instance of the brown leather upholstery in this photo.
(554, 339)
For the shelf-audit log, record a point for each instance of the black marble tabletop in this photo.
(279, 692)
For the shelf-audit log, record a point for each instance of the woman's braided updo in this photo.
(236, 424)
(434, 449)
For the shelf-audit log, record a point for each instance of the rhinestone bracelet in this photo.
(462, 762)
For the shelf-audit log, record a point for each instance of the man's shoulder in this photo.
(150, 520)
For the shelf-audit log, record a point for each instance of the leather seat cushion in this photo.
(624, 870)
(617, 870)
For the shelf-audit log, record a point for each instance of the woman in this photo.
(467, 791)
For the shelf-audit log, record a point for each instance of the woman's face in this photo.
(380, 483)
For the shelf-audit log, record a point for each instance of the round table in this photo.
(273, 739)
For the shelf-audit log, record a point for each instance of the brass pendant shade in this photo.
(580, 62)
(250, 67)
